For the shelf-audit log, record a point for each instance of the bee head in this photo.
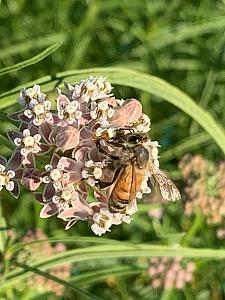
(134, 139)
(128, 139)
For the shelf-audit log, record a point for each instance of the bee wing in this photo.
(166, 187)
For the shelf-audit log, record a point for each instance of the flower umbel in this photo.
(84, 139)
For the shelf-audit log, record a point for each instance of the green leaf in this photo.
(31, 61)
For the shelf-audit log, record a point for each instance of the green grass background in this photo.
(146, 48)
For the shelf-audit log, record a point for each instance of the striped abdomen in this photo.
(127, 185)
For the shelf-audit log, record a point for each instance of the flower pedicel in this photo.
(78, 143)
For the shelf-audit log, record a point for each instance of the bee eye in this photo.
(133, 139)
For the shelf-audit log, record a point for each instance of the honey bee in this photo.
(136, 161)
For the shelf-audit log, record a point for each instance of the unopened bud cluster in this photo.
(35, 251)
(170, 272)
(205, 188)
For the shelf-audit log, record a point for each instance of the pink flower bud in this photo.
(67, 138)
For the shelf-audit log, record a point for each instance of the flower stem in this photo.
(196, 226)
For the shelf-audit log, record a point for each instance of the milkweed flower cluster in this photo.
(170, 272)
(35, 251)
(205, 188)
(62, 154)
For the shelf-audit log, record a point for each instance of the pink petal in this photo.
(54, 160)
(70, 224)
(12, 135)
(49, 191)
(95, 155)
(48, 210)
(53, 134)
(23, 126)
(70, 164)
(111, 101)
(33, 130)
(83, 187)
(55, 118)
(29, 161)
(86, 133)
(133, 109)
(81, 154)
(84, 119)
(16, 191)
(75, 176)
(15, 161)
(39, 198)
(44, 149)
(108, 174)
(24, 118)
(120, 117)
(61, 101)
(19, 173)
(15, 116)
(79, 211)
(45, 129)
(102, 199)
(85, 110)
(31, 179)
(96, 206)
(3, 161)
(67, 138)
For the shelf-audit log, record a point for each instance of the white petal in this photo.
(97, 230)
(26, 132)
(48, 167)
(11, 174)
(17, 141)
(2, 168)
(10, 186)
(28, 113)
(37, 137)
(24, 151)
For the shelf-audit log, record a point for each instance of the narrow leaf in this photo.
(31, 61)
(66, 284)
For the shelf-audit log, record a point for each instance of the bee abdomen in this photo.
(122, 195)
(116, 205)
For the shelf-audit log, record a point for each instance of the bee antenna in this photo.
(123, 129)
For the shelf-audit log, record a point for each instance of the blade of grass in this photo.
(64, 239)
(59, 281)
(32, 44)
(109, 252)
(83, 37)
(184, 146)
(3, 235)
(97, 276)
(205, 97)
(31, 61)
(170, 36)
(4, 141)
